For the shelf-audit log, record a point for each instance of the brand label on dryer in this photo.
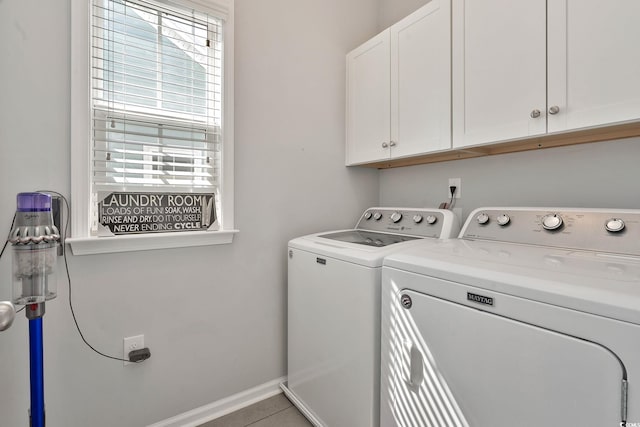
(321, 261)
(480, 299)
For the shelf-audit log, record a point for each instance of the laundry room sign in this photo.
(140, 213)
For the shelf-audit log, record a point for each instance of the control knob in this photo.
(551, 222)
(396, 217)
(614, 225)
(482, 218)
(367, 215)
(417, 218)
(431, 219)
(503, 219)
(377, 216)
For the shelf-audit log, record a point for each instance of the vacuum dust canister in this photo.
(34, 241)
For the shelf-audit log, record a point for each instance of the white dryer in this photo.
(334, 312)
(530, 319)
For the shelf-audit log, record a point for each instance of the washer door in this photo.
(459, 366)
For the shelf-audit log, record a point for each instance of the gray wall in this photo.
(391, 11)
(214, 317)
(603, 174)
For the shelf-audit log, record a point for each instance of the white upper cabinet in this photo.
(368, 101)
(399, 89)
(594, 63)
(421, 81)
(499, 70)
(526, 68)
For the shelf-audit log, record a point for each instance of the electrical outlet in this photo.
(130, 344)
(457, 182)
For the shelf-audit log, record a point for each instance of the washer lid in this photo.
(367, 238)
(363, 254)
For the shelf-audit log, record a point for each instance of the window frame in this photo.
(82, 243)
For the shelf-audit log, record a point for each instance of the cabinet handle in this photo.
(385, 145)
(392, 144)
(554, 109)
(535, 114)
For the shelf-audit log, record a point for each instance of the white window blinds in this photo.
(156, 98)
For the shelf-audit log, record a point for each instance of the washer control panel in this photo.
(613, 230)
(436, 223)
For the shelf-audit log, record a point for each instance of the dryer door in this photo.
(482, 370)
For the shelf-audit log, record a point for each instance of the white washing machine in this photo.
(334, 312)
(531, 318)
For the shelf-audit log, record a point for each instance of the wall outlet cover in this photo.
(457, 182)
(129, 344)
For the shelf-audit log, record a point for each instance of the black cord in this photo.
(66, 265)
(452, 189)
(7, 241)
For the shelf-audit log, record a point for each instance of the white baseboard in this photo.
(310, 416)
(222, 407)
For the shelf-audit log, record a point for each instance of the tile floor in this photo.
(275, 411)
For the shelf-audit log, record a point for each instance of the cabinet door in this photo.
(499, 70)
(368, 106)
(421, 81)
(594, 62)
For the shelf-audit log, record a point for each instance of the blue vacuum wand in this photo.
(36, 367)
(34, 240)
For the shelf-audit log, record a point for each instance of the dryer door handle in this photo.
(415, 369)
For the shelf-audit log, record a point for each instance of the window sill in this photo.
(147, 242)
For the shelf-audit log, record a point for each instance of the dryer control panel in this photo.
(435, 223)
(601, 230)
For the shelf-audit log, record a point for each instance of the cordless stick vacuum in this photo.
(34, 240)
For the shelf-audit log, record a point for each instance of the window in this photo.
(157, 105)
